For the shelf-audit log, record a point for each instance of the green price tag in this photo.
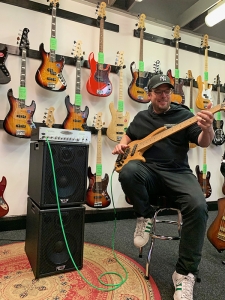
(53, 43)
(99, 169)
(192, 110)
(206, 76)
(78, 99)
(120, 105)
(177, 73)
(141, 66)
(100, 57)
(219, 115)
(204, 168)
(22, 93)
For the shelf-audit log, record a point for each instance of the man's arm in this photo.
(205, 120)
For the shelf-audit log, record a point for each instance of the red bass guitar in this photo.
(4, 208)
(98, 83)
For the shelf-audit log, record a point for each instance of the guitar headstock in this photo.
(190, 76)
(97, 123)
(100, 11)
(176, 34)
(77, 51)
(156, 67)
(204, 42)
(53, 3)
(49, 119)
(217, 80)
(141, 23)
(119, 60)
(23, 38)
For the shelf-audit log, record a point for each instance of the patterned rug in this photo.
(17, 280)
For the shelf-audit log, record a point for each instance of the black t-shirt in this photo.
(170, 152)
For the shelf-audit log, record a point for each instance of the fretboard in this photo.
(176, 80)
(206, 69)
(102, 21)
(99, 153)
(78, 72)
(23, 68)
(53, 33)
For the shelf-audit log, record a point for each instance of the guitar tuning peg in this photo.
(124, 66)
(74, 42)
(136, 24)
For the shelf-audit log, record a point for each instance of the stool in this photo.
(164, 205)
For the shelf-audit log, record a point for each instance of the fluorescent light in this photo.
(216, 14)
(138, 0)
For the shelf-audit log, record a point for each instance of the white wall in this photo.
(14, 152)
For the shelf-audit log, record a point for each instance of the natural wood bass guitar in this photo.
(137, 148)
(216, 231)
(49, 75)
(4, 208)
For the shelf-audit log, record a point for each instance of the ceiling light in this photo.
(138, 0)
(216, 14)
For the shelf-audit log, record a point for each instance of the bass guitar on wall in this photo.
(19, 120)
(97, 195)
(4, 208)
(98, 83)
(76, 118)
(178, 94)
(219, 137)
(138, 90)
(4, 73)
(49, 74)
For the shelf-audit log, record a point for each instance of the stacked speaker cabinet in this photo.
(65, 167)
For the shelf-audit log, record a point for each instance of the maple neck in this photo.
(23, 68)
(191, 93)
(53, 33)
(141, 73)
(121, 86)
(99, 154)
(206, 68)
(176, 80)
(101, 40)
(78, 74)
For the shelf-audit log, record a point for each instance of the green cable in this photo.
(112, 285)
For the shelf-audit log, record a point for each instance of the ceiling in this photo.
(188, 14)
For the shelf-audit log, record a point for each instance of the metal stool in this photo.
(164, 205)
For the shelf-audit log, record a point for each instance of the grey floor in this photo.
(163, 259)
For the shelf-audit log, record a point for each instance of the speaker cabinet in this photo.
(70, 165)
(45, 246)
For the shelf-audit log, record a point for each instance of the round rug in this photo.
(17, 279)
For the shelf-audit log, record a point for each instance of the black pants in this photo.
(141, 182)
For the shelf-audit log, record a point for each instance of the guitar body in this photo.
(204, 96)
(76, 118)
(118, 125)
(192, 145)
(178, 94)
(97, 195)
(204, 183)
(4, 208)
(216, 231)
(19, 120)
(137, 89)
(219, 137)
(49, 74)
(4, 73)
(98, 83)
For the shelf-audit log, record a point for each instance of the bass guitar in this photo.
(216, 231)
(49, 75)
(190, 78)
(204, 176)
(49, 119)
(19, 120)
(98, 83)
(119, 123)
(204, 96)
(97, 195)
(4, 73)
(4, 208)
(178, 94)
(138, 90)
(219, 137)
(76, 118)
(137, 148)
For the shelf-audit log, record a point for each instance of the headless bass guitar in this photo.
(49, 75)
(219, 137)
(138, 90)
(119, 123)
(4, 73)
(4, 208)
(19, 120)
(76, 118)
(137, 148)
(190, 78)
(204, 96)
(178, 94)
(97, 195)
(98, 83)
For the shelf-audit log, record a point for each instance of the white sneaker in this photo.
(141, 234)
(184, 285)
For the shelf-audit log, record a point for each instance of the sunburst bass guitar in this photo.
(137, 148)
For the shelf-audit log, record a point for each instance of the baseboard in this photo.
(19, 222)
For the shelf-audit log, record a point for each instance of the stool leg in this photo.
(147, 267)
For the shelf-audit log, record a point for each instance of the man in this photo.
(167, 172)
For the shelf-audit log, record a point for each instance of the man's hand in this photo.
(205, 119)
(119, 149)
